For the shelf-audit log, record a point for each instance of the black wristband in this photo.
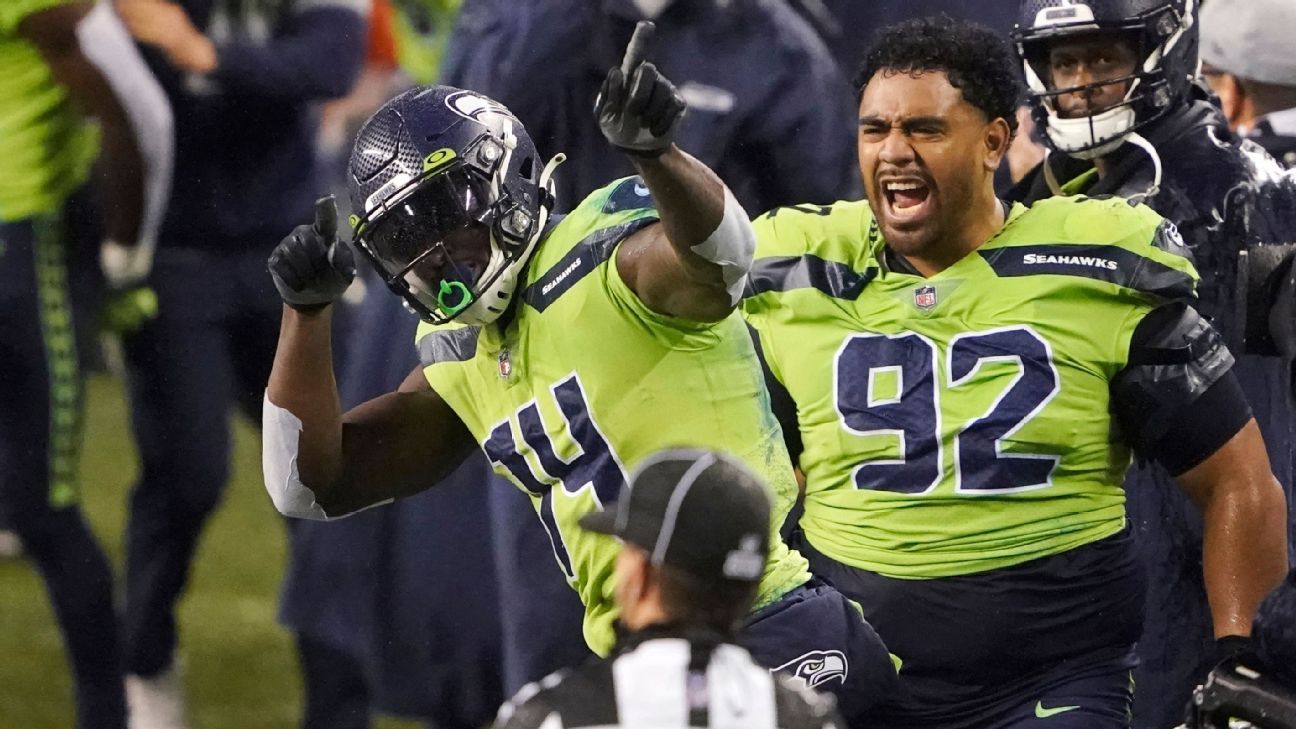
(309, 308)
(645, 153)
(1230, 646)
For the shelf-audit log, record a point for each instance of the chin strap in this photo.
(1049, 177)
(548, 197)
(479, 312)
(1138, 140)
(1134, 138)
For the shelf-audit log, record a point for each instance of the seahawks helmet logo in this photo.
(472, 105)
(816, 669)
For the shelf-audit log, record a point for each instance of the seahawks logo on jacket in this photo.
(816, 669)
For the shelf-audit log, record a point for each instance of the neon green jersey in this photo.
(959, 423)
(46, 149)
(586, 382)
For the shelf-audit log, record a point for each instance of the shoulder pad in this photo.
(445, 343)
(1105, 240)
(629, 193)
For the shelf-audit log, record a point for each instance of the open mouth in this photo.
(906, 200)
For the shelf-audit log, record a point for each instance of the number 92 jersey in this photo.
(960, 423)
(585, 382)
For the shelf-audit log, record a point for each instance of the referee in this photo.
(695, 527)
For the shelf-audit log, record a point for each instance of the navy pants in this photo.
(40, 433)
(983, 650)
(209, 348)
(818, 637)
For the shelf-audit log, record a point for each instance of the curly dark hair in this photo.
(977, 61)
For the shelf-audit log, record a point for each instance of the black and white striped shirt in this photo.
(662, 681)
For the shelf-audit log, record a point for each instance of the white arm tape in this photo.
(280, 433)
(107, 44)
(731, 246)
(280, 437)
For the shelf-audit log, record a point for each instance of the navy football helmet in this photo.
(450, 199)
(1163, 34)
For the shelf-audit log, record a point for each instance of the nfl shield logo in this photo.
(505, 367)
(925, 297)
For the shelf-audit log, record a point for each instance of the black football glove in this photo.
(638, 109)
(311, 267)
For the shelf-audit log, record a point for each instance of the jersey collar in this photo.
(895, 263)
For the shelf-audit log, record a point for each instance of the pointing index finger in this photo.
(637, 48)
(326, 217)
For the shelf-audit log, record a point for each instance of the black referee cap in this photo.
(702, 512)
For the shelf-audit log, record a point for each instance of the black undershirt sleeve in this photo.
(1178, 401)
(1204, 427)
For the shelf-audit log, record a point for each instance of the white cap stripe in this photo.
(677, 498)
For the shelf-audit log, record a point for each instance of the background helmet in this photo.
(1164, 38)
(448, 199)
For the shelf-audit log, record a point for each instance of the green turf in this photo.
(240, 665)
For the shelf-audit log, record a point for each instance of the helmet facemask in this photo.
(452, 241)
(1156, 36)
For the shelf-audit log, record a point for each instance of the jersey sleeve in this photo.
(623, 208)
(804, 250)
(783, 236)
(443, 343)
(621, 201)
(1150, 265)
(1171, 366)
(1160, 266)
(1177, 400)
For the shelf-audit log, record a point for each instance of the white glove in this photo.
(125, 266)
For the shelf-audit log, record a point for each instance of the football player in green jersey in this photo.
(970, 380)
(60, 61)
(568, 348)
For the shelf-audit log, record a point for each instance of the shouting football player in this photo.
(971, 378)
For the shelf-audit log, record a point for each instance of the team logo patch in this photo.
(816, 669)
(1168, 239)
(471, 105)
(925, 297)
(439, 159)
(632, 194)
